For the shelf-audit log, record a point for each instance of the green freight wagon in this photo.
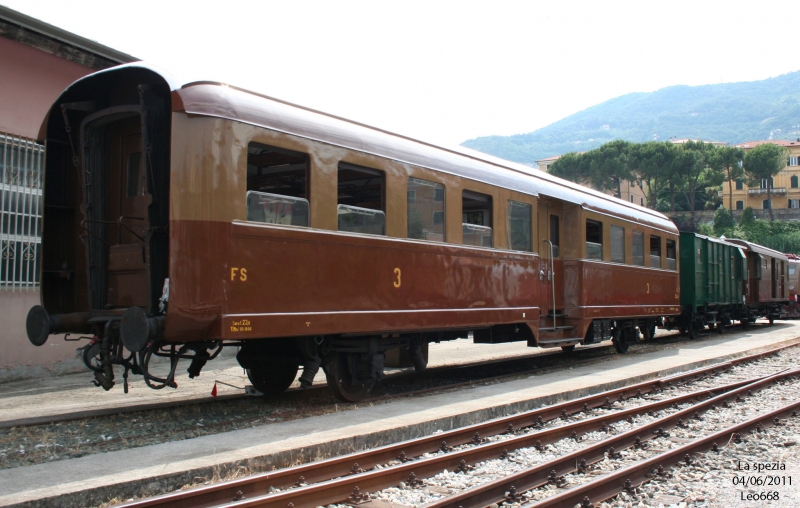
(713, 284)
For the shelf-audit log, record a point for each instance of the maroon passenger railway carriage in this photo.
(179, 219)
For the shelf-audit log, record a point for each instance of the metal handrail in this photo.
(552, 280)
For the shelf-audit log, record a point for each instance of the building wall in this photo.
(31, 82)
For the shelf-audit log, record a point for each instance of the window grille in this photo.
(21, 171)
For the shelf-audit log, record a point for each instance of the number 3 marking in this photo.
(398, 281)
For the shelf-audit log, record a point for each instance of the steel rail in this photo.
(328, 491)
(634, 475)
(496, 491)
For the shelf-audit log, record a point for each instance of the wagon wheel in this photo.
(690, 329)
(340, 380)
(568, 349)
(273, 376)
(618, 339)
(648, 331)
(720, 327)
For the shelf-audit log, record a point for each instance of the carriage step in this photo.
(560, 342)
(557, 328)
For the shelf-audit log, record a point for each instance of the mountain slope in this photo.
(730, 112)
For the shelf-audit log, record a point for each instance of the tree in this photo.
(650, 164)
(694, 166)
(729, 160)
(686, 170)
(568, 167)
(723, 221)
(764, 162)
(608, 166)
(748, 217)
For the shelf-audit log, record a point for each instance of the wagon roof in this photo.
(726, 241)
(759, 249)
(223, 101)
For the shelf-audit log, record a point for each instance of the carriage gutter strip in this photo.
(325, 470)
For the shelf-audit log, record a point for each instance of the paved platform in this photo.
(156, 468)
(67, 394)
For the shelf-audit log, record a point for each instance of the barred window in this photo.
(21, 212)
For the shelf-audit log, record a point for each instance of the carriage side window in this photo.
(617, 244)
(277, 185)
(476, 219)
(594, 239)
(655, 251)
(520, 222)
(425, 212)
(360, 200)
(554, 234)
(637, 248)
(672, 263)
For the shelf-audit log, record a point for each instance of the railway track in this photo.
(349, 479)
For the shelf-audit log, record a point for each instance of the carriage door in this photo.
(126, 208)
(118, 196)
(774, 277)
(551, 275)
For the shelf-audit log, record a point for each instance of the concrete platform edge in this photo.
(160, 484)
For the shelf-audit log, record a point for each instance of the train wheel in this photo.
(720, 327)
(273, 377)
(648, 332)
(568, 349)
(691, 331)
(340, 379)
(618, 339)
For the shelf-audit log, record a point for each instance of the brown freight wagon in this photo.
(183, 218)
(767, 288)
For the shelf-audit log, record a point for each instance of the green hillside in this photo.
(730, 112)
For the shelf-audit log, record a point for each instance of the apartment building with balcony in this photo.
(784, 187)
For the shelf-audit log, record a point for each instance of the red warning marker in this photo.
(214, 390)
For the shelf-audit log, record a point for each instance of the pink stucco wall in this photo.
(30, 81)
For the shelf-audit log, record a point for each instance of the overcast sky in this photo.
(444, 71)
